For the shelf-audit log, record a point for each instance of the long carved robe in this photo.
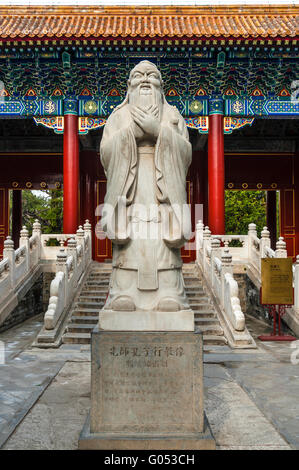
(121, 159)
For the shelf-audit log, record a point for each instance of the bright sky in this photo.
(148, 3)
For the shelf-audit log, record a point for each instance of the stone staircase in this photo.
(85, 310)
(205, 316)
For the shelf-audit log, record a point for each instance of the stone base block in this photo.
(182, 320)
(97, 441)
(146, 391)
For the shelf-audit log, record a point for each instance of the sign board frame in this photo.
(276, 273)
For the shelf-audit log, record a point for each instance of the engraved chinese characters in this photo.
(147, 382)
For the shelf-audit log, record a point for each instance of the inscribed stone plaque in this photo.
(149, 383)
(277, 281)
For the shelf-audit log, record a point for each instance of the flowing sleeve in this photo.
(173, 158)
(118, 153)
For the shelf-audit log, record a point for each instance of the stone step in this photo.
(84, 338)
(99, 276)
(204, 321)
(96, 283)
(201, 306)
(80, 327)
(84, 319)
(194, 288)
(195, 297)
(214, 340)
(85, 311)
(89, 304)
(95, 287)
(210, 329)
(91, 298)
(76, 338)
(90, 293)
(195, 291)
(104, 269)
(204, 314)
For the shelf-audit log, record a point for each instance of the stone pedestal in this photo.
(146, 391)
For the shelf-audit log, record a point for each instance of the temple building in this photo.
(151, 351)
(232, 72)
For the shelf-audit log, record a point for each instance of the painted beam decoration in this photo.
(86, 124)
(253, 78)
(54, 123)
(103, 108)
(261, 107)
(29, 108)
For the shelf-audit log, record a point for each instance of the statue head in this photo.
(145, 85)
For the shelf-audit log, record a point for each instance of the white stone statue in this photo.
(145, 151)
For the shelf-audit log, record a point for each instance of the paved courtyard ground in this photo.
(251, 396)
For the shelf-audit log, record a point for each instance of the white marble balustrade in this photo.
(18, 265)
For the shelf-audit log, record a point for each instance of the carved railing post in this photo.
(80, 242)
(206, 242)
(61, 266)
(265, 242)
(227, 267)
(199, 238)
(215, 253)
(281, 251)
(72, 251)
(252, 233)
(9, 253)
(87, 230)
(24, 241)
(37, 232)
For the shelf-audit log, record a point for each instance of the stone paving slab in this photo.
(251, 395)
(275, 391)
(235, 420)
(21, 385)
(55, 422)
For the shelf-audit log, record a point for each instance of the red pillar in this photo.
(70, 174)
(16, 216)
(216, 170)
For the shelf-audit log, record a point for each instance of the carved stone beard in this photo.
(144, 98)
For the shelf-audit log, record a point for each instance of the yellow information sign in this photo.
(277, 281)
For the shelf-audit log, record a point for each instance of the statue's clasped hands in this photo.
(147, 120)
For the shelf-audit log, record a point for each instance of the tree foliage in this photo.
(46, 207)
(243, 208)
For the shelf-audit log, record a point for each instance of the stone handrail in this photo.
(215, 263)
(251, 252)
(18, 265)
(49, 253)
(70, 266)
(5, 279)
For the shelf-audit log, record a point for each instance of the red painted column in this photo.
(216, 168)
(70, 174)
